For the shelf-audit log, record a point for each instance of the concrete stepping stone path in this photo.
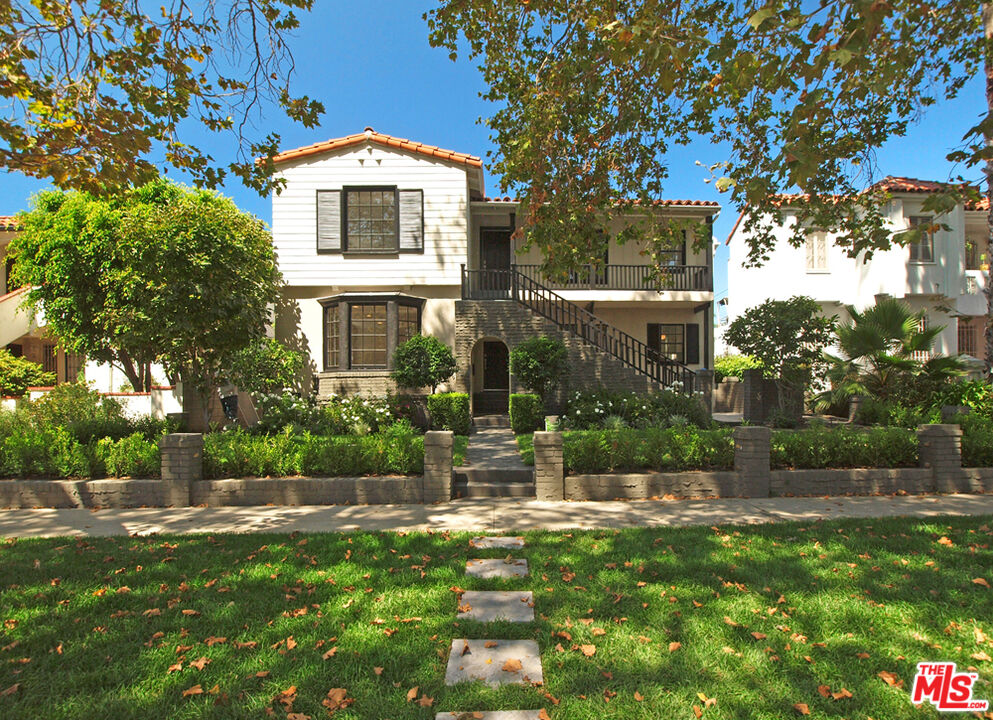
(497, 568)
(505, 662)
(490, 606)
(506, 543)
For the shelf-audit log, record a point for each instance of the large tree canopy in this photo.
(92, 87)
(593, 94)
(158, 274)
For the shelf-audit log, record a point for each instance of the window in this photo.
(367, 338)
(923, 249)
(49, 358)
(668, 340)
(816, 246)
(922, 355)
(366, 219)
(332, 344)
(408, 322)
(74, 366)
(968, 332)
(974, 253)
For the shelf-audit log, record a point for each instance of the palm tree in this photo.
(881, 348)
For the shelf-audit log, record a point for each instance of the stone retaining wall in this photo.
(109, 492)
(307, 491)
(851, 481)
(638, 485)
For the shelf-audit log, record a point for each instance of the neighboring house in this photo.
(943, 274)
(380, 238)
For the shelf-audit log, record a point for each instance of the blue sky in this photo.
(370, 64)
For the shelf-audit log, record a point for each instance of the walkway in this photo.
(480, 515)
(494, 449)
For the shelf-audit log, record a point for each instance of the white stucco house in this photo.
(944, 274)
(379, 238)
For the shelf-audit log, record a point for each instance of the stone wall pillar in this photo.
(751, 459)
(753, 409)
(703, 381)
(182, 465)
(549, 471)
(437, 481)
(941, 451)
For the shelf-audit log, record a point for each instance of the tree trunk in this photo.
(988, 171)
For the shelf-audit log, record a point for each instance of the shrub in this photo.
(539, 364)
(17, 374)
(279, 411)
(266, 366)
(977, 440)
(878, 412)
(885, 447)
(668, 449)
(450, 411)
(83, 412)
(344, 415)
(422, 361)
(131, 456)
(977, 395)
(527, 413)
(587, 410)
(732, 366)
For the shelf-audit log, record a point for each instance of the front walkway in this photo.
(494, 449)
(480, 515)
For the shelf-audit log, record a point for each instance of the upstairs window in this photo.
(923, 249)
(816, 248)
(370, 220)
(975, 251)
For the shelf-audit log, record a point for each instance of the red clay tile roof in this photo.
(983, 204)
(370, 135)
(9, 222)
(893, 183)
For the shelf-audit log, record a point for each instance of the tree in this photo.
(92, 88)
(788, 338)
(160, 274)
(539, 364)
(881, 356)
(266, 366)
(422, 361)
(592, 96)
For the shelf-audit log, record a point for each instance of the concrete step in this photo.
(469, 474)
(491, 421)
(493, 490)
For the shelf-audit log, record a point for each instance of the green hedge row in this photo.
(450, 411)
(977, 441)
(879, 447)
(395, 451)
(56, 453)
(670, 449)
(527, 413)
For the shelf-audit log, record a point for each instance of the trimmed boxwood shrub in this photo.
(398, 450)
(977, 441)
(527, 413)
(653, 449)
(878, 447)
(450, 411)
(595, 409)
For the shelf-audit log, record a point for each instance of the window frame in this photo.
(342, 306)
(385, 337)
(332, 309)
(346, 248)
(810, 251)
(913, 222)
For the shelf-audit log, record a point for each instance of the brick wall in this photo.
(729, 396)
(512, 323)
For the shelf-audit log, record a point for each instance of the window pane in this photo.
(371, 220)
(408, 323)
(331, 335)
(368, 336)
(923, 250)
(671, 344)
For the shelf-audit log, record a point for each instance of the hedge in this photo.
(877, 447)
(56, 453)
(527, 413)
(977, 441)
(654, 449)
(450, 411)
(395, 451)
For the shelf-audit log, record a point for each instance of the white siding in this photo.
(294, 219)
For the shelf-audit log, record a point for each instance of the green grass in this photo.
(525, 443)
(459, 446)
(82, 621)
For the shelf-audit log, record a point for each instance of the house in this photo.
(944, 274)
(380, 238)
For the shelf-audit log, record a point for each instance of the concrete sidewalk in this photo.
(480, 515)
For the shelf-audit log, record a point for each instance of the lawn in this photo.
(742, 622)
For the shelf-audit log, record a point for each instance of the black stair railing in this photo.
(514, 285)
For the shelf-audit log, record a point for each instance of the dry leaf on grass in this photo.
(588, 650)
(412, 693)
(802, 708)
(890, 678)
(195, 690)
(329, 654)
(981, 581)
(638, 696)
(337, 699)
(674, 646)
(490, 644)
(758, 635)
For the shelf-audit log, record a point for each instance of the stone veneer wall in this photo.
(513, 323)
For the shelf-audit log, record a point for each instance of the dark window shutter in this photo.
(411, 220)
(653, 337)
(692, 343)
(329, 221)
(682, 250)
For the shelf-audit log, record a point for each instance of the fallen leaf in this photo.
(195, 690)
(329, 654)
(843, 693)
(980, 581)
(412, 693)
(697, 711)
(890, 678)
(425, 701)
(862, 655)
(191, 613)
(200, 663)
(588, 650)
(337, 699)
(824, 690)
(945, 541)
(674, 646)
(638, 696)
(12, 690)
(378, 670)
(730, 622)
(802, 708)
(758, 635)
(490, 644)
(981, 656)
(174, 668)
(512, 665)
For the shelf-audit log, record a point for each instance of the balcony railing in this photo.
(627, 277)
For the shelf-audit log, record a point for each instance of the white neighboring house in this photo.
(944, 274)
(379, 238)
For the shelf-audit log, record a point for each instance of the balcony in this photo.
(627, 277)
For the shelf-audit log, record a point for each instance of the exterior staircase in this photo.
(578, 323)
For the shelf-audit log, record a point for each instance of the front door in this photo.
(494, 260)
(496, 380)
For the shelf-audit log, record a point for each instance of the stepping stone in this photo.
(489, 606)
(497, 568)
(471, 660)
(492, 715)
(497, 542)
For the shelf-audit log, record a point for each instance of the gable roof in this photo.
(370, 135)
(9, 223)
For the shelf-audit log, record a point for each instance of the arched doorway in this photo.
(490, 377)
